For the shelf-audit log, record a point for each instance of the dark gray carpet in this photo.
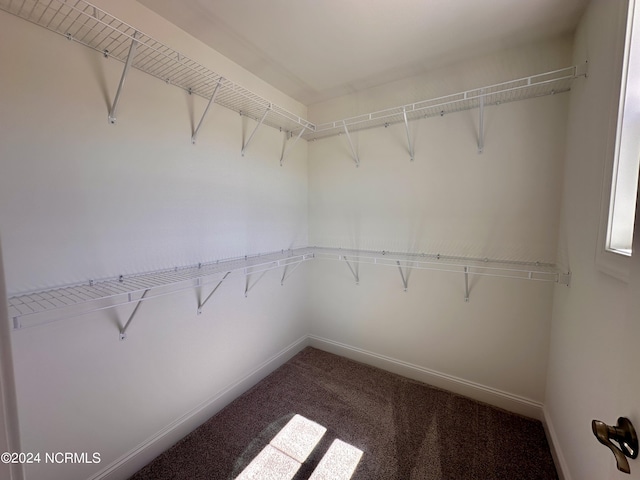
(406, 429)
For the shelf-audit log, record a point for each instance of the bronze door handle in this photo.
(624, 434)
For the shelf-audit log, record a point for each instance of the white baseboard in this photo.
(138, 457)
(492, 396)
(554, 444)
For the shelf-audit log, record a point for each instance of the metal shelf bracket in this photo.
(355, 275)
(127, 66)
(123, 331)
(248, 287)
(264, 115)
(206, 110)
(564, 278)
(284, 272)
(466, 284)
(481, 124)
(202, 304)
(291, 145)
(353, 150)
(582, 70)
(405, 280)
(406, 126)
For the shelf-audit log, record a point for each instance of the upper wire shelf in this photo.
(85, 23)
(548, 83)
(31, 309)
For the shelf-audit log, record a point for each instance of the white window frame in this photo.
(608, 259)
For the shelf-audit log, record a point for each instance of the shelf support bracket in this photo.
(284, 273)
(355, 275)
(123, 332)
(353, 150)
(404, 279)
(582, 70)
(127, 66)
(202, 304)
(206, 110)
(406, 126)
(481, 124)
(264, 115)
(291, 145)
(248, 287)
(466, 284)
(564, 278)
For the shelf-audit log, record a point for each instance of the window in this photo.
(624, 179)
(621, 193)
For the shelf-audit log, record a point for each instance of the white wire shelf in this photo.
(548, 83)
(545, 272)
(32, 309)
(85, 23)
(405, 262)
(41, 307)
(82, 22)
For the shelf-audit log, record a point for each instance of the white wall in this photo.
(161, 200)
(82, 199)
(507, 64)
(503, 204)
(589, 319)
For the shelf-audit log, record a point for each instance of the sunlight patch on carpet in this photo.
(270, 464)
(338, 463)
(292, 445)
(298, 438)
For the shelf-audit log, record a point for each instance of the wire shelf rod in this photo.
(436, 261)
(123, 291)
(91, 26)
(80, 299)
(536, 85)
(394, 111)
(420, 256)
(544, 277)
(58, 306)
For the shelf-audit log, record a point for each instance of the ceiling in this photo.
(315, 50)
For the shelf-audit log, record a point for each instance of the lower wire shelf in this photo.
(32, 309)
(38, 308)
(473, 266)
